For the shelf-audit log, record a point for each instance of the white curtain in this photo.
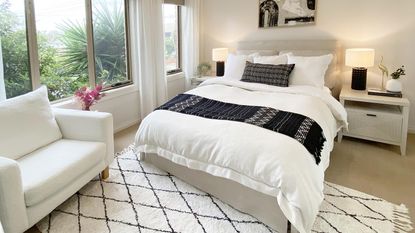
(2, 84)
(146, 27)
(190, 35)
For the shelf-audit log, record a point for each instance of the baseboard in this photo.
(126, 125)
(411, 130)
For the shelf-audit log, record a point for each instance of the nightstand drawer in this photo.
(375, 125)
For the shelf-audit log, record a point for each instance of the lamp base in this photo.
(220, 68)
(359, 78)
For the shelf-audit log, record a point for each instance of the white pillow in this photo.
(309, 70)
(272, 60)
(331, 73)
(27, 123)
(235, 65)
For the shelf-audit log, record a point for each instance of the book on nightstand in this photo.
(384, 93)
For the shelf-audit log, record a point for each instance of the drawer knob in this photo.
(371, 115)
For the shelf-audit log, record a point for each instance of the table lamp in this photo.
(360, 59)
(219, 55)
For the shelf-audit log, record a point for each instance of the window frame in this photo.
(32, 46)
(179, 68)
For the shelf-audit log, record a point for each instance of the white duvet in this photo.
(261, 159)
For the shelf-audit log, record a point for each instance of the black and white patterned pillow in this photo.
(275, 75)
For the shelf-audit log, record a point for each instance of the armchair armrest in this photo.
(87, 126)
(13, 213)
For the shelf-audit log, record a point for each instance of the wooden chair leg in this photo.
(33, 229)
(105, 173)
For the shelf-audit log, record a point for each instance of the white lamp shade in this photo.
(360, 57)
(220, 54)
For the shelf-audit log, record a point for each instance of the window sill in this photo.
(110, 94)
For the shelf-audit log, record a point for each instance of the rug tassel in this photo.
(401, 220)
(401, 216)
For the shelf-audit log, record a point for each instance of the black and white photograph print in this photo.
(268, 13)
(278, 13)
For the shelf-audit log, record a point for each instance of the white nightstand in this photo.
(196, 81)
(376, 118)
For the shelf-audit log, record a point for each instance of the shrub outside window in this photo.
(69, 44)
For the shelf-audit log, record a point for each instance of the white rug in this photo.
(141, 198)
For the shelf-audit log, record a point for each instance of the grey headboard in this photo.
(303, 48)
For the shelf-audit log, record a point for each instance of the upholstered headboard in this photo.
(302, 48)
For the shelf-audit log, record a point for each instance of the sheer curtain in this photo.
(191, 24)
(147, 46)
(2, 84)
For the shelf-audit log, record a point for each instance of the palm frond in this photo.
(109, 43)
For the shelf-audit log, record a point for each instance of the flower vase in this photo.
(394, 85)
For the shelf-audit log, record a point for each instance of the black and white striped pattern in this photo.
(262, 117)
(301, 128)
(138, 197)
(275, 75)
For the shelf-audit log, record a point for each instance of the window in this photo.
(171, 20)
(14, 50)
(110, 48)
(76, 43)
(62, 47)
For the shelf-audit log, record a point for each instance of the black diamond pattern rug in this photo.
(138, 197)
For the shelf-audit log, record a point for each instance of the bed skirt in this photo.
(263, 207)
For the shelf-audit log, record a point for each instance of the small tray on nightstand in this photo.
(384, 93)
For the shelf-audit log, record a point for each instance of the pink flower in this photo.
(88, 97)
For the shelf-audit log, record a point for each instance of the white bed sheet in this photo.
(263, 160)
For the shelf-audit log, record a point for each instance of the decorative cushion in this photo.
(51, 168)
(272, 60)
(235, 65)
(27, 123)
(275, 75)
(309, 70)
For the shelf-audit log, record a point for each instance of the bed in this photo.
(257, 171)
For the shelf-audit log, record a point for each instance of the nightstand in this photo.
(196, 81)
(376, 118)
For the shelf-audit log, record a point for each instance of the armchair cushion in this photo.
(27, 123)
(51, 168)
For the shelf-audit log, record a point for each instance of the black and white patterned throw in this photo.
(301, 128)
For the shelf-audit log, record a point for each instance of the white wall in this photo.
(388, 26)
(124, 103)
(175, 85)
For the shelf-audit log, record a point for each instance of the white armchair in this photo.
(33, 185)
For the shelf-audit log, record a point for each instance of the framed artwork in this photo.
(282, 13)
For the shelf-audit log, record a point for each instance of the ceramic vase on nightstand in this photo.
(394, 85)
